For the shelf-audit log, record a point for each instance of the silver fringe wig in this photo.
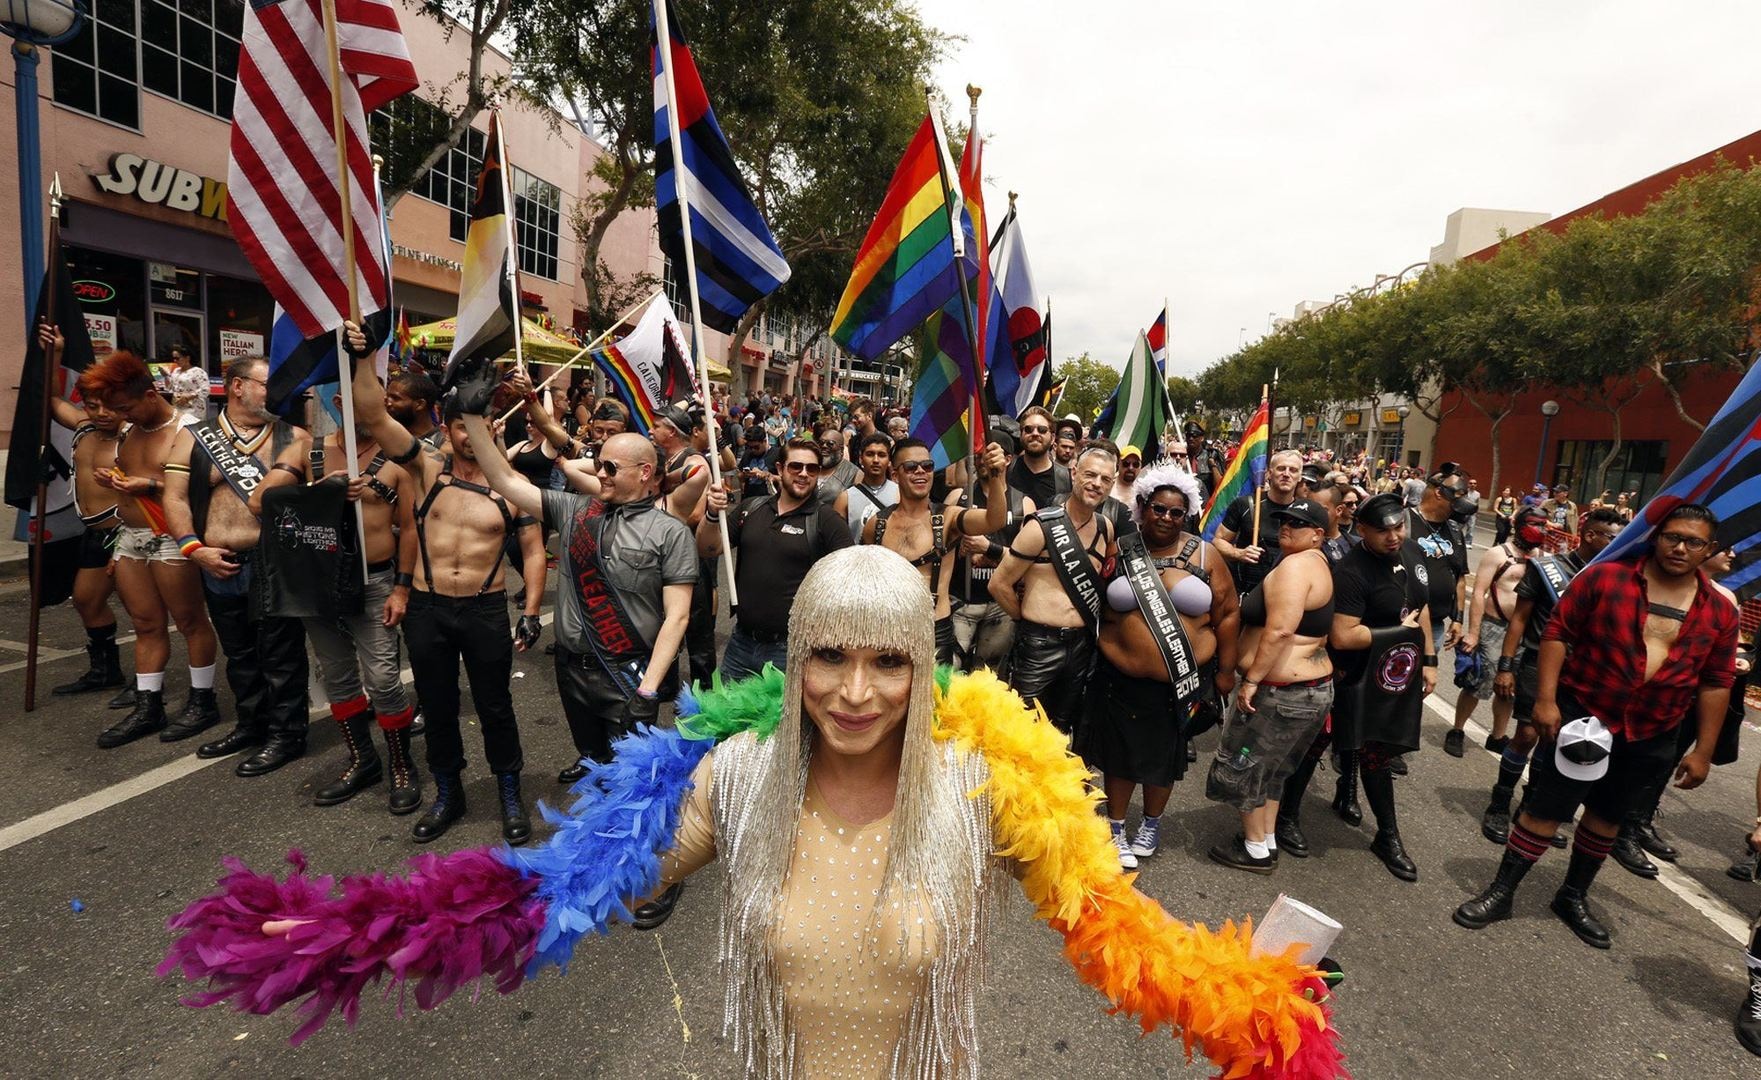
(939, 858)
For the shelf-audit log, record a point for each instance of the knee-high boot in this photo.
(1345, 791)
(1379, 791)
(1289, 825)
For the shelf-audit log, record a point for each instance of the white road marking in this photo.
(1685, 888)
(45, 655)
(116, 794)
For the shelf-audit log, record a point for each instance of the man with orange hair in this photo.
(152, 577)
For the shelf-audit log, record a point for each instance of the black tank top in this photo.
(534, 465)
(1316, 622)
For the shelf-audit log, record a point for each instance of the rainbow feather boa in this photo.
(502, 913)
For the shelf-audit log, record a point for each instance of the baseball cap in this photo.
(1130, 451)
(676, 416)
(1581, 753)
(1302, 511)
(1381, 511)
(1070, 424)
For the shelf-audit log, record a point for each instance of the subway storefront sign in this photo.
(159, 184)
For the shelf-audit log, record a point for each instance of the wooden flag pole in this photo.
(344, 190)
(1265, 403)
(663, 44)
(51, 376)
(585, 349)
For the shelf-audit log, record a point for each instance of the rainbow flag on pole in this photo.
(1246, 471)
(909, 264)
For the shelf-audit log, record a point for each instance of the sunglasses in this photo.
(916, 466)
(1174, 512)
(801, 467)
(1036, 431)
(610, 467)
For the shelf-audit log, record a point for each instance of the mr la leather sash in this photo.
(1074, 571)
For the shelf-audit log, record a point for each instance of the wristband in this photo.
(994, 552)
(647, 695)
(1430, 660)
(1506, 663)
(713, 519)
(401, 580)
(189, 545)
(531, 397)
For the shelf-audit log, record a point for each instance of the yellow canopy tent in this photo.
(541, 346)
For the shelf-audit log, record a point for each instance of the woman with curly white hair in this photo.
(1151, 676)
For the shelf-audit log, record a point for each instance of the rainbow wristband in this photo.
(188, 545)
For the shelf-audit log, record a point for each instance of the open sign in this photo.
(91, 291)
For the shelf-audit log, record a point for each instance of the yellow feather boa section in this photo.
(1253, 1016)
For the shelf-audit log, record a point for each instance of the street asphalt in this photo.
(99, 848)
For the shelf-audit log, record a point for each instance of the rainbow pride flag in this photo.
(1246, 471)
(907, 268)
(648, 369)
(941, 404)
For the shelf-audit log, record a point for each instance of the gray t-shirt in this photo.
(642, 550)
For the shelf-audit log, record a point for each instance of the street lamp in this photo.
(33, 25)
(1403, 412)
(1549, 409)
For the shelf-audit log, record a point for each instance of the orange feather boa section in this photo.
(1252, 1016)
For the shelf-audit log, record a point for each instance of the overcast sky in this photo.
(1242, 157)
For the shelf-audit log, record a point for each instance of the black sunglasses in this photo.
(608, 467)
(1175, 512)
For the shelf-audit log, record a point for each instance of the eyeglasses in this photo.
(1691, 543)
(1174, 512)
(801, 467)
(916, 466)
(249, 378)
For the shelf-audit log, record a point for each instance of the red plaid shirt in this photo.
(1602, 618)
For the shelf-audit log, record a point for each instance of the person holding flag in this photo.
(1252, 554)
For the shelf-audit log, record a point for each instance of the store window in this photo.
(240, 315)
(1637, 467)
(96, 72)
(538, 223)
(112, 294)
(189, 51)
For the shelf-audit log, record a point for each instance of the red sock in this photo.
(1530, 846)
(397, 721)
(344, 711)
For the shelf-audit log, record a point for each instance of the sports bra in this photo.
(1315, 622)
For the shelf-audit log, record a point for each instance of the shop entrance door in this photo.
(184, 328)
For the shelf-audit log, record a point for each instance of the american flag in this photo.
(283, 198)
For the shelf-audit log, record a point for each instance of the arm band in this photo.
(172, 466)
(401, 580)
(188, 545)
(283, 466)
(408, 455)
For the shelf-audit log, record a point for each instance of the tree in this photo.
(1183, 395)
(1087, 386)
(816, 97)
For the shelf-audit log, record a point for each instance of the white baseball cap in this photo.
(1582, 750)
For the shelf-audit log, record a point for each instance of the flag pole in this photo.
(1162, 372)
(585, 349)
(344, 190)
(507, 204)
(663, 47)
(1266, 404)
(1050, 374)
(965, 286)
(51, 377)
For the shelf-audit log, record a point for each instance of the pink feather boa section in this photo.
(450, 921)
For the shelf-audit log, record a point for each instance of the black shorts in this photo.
(94, 548)
(1637, 773)
(1528, 684)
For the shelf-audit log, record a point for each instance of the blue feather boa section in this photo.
(606, 849)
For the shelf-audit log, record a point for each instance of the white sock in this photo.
(149, 680)
(202, 678)
(1271, 842)
(1258, 849)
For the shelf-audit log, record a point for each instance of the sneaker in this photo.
(1148, 838)
(1454, 743)
(1749, 1016)
(1127, 861)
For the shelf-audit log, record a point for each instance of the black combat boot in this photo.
(148, 716)
(363, 769)
(448, 806)
(1345, 791)
(1494, 904)
(105, 671)
(1495, 822)
(1628, 853)
(516, 827)
(199, 713)
(1568, 902)
(406, 782)
(1379, 791)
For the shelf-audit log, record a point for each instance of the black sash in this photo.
(241, 472)
(1075, 572)
(1387, 702)
(1553, 575)
(1158, 613)
(613, 636)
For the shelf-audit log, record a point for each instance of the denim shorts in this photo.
(1260, 750)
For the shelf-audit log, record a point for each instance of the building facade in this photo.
(135, 118)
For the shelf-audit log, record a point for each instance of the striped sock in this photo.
(1589, 844)
(1528, 845)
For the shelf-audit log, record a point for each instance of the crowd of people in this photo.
(1308, 632)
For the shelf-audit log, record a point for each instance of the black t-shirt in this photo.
(1534, 587)
(1238, 519)
(1445, 559)
(1378, 592)
(1120, 515)
(780, 558)
(1041, 487)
